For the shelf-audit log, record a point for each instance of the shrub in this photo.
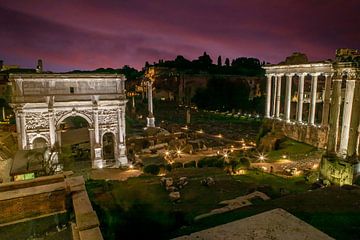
(152, 169)
(190, 164)
(168, 167)
(211, 162)
(177, 165)
(241, 164)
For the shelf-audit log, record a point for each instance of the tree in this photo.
(219, 61)
(227, 62)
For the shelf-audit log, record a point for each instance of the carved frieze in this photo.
(37, 120)
(107, 116)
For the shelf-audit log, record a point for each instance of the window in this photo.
(71, 89)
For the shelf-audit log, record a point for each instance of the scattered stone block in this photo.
(208, 181)
(174, 196)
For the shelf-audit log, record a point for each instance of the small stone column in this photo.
(326, 103)
(300, 97)
(334, 116)
(355, 122)
(314, 79)
(278, 95)
(288, 98)
(274, 98)
(150, 118)
(268, 95)
(346, 117)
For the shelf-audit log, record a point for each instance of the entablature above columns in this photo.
(299, 69)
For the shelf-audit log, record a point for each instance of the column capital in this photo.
(316, 74)
(290, 74)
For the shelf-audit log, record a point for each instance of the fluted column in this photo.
(314, 79)
(52, 128)
(23, 131)
(355, 121)
(346, 117)
(278, 95)
(268, 95)
(300, 97)
(96, 126)
(274, 97)
(288, 97)
(334, 115)
(326, 101)
(122, 158)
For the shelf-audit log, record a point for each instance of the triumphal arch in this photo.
(42, 102)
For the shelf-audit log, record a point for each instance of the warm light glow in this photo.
(167, 153)
(131, 166)
(261, 157)
(284, 156)
(200, 131)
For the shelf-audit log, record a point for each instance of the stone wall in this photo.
(48, 196)
(33, 198)
(309, 134)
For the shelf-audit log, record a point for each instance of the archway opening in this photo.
(108, 146)
(39, 142)
(74, 140)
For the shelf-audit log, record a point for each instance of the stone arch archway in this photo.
(39, 142)
(108, 144)
(43, 101)
(66, 115)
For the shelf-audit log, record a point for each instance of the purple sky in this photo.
(87, 34)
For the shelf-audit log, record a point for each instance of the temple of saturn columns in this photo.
(41, 103)
(319, 103)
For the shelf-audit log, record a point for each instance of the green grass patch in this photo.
(139, 207)
(293, 150)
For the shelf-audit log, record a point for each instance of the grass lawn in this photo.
(140, 207)
(291, 149)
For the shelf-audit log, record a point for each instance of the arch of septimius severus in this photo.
(41, 102)
(319, 103)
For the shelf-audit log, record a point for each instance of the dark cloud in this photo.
(87, 34)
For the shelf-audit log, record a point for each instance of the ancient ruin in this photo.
(41, 102)
(334, 88)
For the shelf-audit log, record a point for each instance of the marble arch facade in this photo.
(42, 101)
